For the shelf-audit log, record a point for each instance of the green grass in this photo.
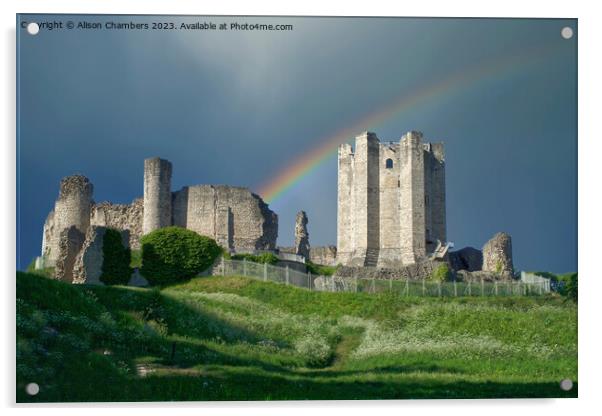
(136, 259)
(233, 338)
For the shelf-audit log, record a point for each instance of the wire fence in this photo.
(289, 276)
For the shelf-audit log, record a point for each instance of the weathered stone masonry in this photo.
(72, 208)
(301, 235)
(391, 201)
(157, 194)
(236, 218)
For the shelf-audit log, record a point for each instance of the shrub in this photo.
(571, 287)
(441, 273)
(174, 254)
(116, 260)
(269, 258)
(320, 269)
(136, 261)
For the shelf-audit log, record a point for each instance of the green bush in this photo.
(269, 258)
(320, 269)
(442, 273)
(571, 286)
(116, 260)
(174, 254)
(136, 259)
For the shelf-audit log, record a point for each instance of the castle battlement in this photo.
(391, 200)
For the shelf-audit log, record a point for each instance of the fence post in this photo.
(391, 286)
(244, 267)
(469, 288)
(373, 288)
(223, 266)
(439, 288)
(455, 289)
(423, 287)
(495, 285)
(265, 272)
(482, 287)
(332, 282)
(286, 274)
(355, 284)
(407, 287)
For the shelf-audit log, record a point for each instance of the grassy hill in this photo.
(232, 338)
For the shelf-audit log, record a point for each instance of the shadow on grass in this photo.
(89, 375)
(236, 384)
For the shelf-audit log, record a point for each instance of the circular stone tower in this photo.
(72, 208)
(73, 205)
(157, 194)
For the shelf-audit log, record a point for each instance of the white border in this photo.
(590, 238)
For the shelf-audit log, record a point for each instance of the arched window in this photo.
(389, 163)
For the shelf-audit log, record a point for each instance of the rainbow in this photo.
(497, 69)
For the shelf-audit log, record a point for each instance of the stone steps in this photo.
(371, 259)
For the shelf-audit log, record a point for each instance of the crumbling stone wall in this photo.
(70, 243)
(497, 254)
(72, 208)
(415, 271)
(47, 238)
(120, 217)
(326, 256)
(251, 224)
(88, 263)
(237, 218)
(301, 235)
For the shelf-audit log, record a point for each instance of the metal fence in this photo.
(288, 276)
(431, 288)
(527, 277)
(266, 272)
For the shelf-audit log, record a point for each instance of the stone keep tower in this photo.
(391, 201)
(157, 194)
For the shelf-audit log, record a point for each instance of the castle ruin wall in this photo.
(120, 217)
(71, 209)
(88, 263)
(227, 212)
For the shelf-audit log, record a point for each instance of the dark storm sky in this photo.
(238, 107)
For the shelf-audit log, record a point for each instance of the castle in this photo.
(236, 218)
(391, 201)
(391, 219)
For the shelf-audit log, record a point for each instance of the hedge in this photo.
(174, 254)
(268, 258)
(116, 260)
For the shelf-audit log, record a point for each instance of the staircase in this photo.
(371, 259)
